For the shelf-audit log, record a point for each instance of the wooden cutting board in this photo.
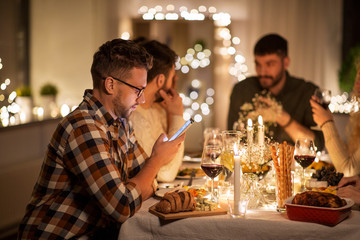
(180, 215)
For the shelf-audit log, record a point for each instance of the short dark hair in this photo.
(163, 58)
(271, 43)
(116, 58)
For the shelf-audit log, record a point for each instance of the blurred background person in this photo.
(344, 156)
(288, 106)
(162, 111)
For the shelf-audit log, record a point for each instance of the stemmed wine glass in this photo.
(212, 136)
(305, 155)
(323, 97)
(211, 165)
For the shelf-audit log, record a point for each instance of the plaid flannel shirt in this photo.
(83, 184)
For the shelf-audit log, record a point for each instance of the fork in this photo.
(192, 175)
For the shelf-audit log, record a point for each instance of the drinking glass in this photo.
(304, 154)
(212, 136)
(323, 97)
(231, 139)
(211, 165)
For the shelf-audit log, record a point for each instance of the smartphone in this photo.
(182, 129)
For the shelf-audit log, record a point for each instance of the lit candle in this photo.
(237, 175)
(261, 131)
(250, 132)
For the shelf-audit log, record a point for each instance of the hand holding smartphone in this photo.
(182, 129)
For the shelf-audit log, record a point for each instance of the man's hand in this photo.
(172, 102)
(270, 110)
(165, 151)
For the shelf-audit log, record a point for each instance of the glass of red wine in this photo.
(323, 97)
(211, 165)
(304, 154)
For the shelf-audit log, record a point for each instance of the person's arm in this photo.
(349, 187)
(161, 155)
(292, 127)
(90, 160)
(344, 162)
(168, 172)
(173, 107)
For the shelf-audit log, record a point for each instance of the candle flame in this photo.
(249, 122)
(260, 120)
(236, 149)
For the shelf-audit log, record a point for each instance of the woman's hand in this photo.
(320, 114)
(349, 187)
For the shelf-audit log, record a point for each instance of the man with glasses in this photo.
(293, 118)
(163, 109)
(95, 174)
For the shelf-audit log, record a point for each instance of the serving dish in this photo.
(181, 215)
(322, 215)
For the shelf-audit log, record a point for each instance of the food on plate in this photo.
(197, 191)
(187, 172)
(317, 165)
(177, 201)
(318, 199)
(329, 189)
(328, 174)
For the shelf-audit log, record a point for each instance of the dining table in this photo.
(260, 223)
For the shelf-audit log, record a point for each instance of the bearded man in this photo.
(162, 112)
(294, 118)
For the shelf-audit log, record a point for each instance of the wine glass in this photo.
(211, 165)
(304, 154)
(212, 136)
(323, 97)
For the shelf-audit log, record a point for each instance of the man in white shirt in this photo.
(162, 111)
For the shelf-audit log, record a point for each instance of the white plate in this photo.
(161, 192)
(188, 177)
(190, 159)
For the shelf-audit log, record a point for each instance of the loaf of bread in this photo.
(177, 201)
(318, 199)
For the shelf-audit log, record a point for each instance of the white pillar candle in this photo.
(237, 176)
(250, 132)
(261, 134)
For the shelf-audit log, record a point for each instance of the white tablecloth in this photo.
(258, 224)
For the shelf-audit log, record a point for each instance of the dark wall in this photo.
(14, 42)
(351, 25)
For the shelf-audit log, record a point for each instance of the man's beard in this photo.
(120, 110)
(276, 80)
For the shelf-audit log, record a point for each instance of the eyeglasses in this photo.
(140, 90)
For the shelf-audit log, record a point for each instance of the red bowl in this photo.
(322, 215)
